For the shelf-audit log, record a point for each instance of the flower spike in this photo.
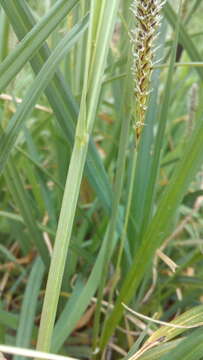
(148, 18)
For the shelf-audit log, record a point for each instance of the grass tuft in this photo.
(101, 179)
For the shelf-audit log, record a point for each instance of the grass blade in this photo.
(60, 99)
(32, 41)
(190, 348)
(27, 316)
(185, 39)
(160, 225)
(99, 35)
(17, 190)
(10, 135)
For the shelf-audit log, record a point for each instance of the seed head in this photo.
(193, 102)
(147, 15)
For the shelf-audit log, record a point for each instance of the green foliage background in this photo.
(74, 185)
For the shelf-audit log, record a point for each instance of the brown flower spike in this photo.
(147, 14)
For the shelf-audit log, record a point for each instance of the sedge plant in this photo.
(101, 183)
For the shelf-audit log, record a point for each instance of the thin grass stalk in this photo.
(158, 227)
(125, 226)
(195, 6)
(4, 35)
(29, 305)
(21, 199)
(128, 289)
(119, 178)
(100, 32)
(28, 353)
(62, 240)
(123, 238)
(184, 38)
(148, 21)
(79, 51)
(145, 142)
(155, 165)
(40, 168)
(144, 159)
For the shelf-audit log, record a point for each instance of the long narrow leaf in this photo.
(32, 41)
(97, 50)
(22, 201)
(185, 39)
(190, 348)
(160, 225)
(61, 100)
(39, 84)
(27, 317)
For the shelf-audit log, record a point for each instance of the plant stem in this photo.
(62, 241)
(125, 227)
(121, 161)
(4, 35)
(100, 32)
(123, 237)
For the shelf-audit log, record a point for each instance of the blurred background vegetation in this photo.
(138, 227)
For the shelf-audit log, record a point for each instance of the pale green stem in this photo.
(62, 241)
(4, 35)
(193, 64)
(123, 235)
(114, 219)
(125, 227)
(95, 64)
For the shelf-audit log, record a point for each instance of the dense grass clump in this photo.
(101, 179)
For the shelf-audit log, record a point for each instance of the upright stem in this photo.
(125, 226)
(102, 20)
(121, 161)
(4, 35)
(62, 241)
(123, 237)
